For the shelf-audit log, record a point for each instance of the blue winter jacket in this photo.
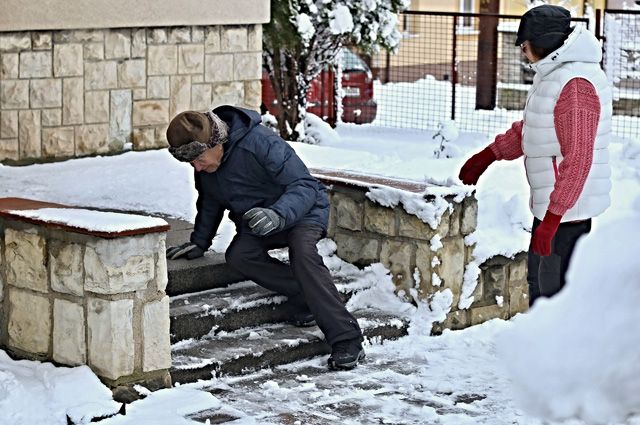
(258, 169)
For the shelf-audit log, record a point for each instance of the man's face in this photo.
(209, 160)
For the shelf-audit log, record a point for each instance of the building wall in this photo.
(18, 15)
(115, 83)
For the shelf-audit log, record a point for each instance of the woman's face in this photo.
(526, 50)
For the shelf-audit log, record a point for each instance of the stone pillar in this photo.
(86, 299)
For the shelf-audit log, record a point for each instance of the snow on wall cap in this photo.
(429, 188)
(78, 220)
(93, 221)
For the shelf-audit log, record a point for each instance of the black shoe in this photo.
(346, 354)
(303, 319)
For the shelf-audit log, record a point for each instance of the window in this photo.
(467, 6)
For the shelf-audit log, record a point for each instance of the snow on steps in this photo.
(266, 345)
(239, 305)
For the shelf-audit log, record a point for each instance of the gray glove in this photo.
(187, 250)
(263, 221)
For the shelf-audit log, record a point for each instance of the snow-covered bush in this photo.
(305, 36)
(317, 131)
(447, 134)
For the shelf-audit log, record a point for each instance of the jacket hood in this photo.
(240, 122)
(580, 46)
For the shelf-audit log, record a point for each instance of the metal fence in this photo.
(621, 43)
(466, 67)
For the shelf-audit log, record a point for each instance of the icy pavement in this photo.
(450, 379)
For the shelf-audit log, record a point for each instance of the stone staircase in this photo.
(222, 325)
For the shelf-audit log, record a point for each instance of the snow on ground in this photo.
(451, 379)
(456, 378)
(581, 347)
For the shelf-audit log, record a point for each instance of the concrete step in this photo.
(239, 305)
(227, 309)
(250, 349)
(201, 274)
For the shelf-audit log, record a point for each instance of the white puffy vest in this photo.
(579, 57)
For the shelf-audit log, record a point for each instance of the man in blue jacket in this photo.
(245, 168)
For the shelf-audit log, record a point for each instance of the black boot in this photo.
(302, 319)
(346, 354)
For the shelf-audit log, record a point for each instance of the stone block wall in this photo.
(75, 93)
(423, 260)
(79, 299)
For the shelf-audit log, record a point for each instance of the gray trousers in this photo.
(306, 281)
(546, 275)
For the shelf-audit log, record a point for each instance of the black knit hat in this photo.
(545, 26)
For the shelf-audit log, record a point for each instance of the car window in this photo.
(351, 62)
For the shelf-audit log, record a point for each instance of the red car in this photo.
(357, 82)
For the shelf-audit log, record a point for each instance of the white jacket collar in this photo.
(580, 46)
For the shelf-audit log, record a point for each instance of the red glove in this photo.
(546, 230)
(476, 165)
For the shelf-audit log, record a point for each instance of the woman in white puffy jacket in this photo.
(563, 137)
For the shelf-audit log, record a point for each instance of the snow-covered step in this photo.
(236, 306)
(268, 345)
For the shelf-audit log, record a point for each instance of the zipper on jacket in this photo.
(526, 173)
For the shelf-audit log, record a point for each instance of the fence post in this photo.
(487, 60)
(387, 69)
(454, 68)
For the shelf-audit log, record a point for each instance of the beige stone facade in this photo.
(81, 299)
(72, 93)
(366, 232)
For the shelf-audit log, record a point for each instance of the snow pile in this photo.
(429, 211)
(40, 393)
(381, 293)
(576, 355)
(167, 406)
(317, 131)
(32, 392)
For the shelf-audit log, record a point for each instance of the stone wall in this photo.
(366, 232)
(75, 93)
(79, 299)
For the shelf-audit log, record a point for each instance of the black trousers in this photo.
(306, 281)
(546, 275)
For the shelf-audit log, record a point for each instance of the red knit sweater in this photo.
(576, 117)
